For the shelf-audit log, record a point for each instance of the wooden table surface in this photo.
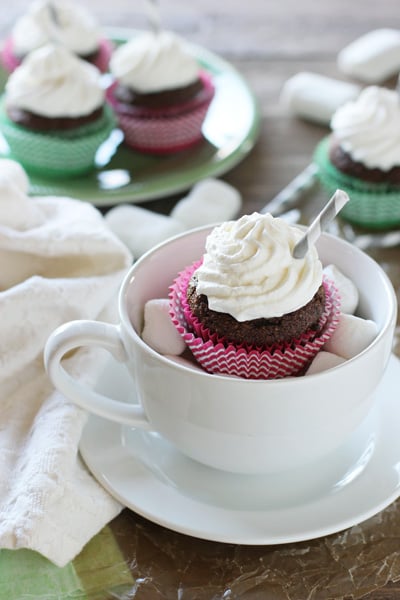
(267, 42)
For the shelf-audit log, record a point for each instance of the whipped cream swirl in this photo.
(249, 272)
(368, 129)
(70, 25)
(152, 62)
(52, 82)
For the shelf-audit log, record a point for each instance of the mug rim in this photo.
(390, 316)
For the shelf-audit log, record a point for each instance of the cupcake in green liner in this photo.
(362, 156)
(65, 22)
(53, 113)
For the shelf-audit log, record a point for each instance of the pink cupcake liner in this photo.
(10, 61)
(164, 131)
(218, 355)
(102, 59)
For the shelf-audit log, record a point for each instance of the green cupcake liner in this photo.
(374, 206)
(57, 154)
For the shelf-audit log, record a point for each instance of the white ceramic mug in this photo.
(238, 425)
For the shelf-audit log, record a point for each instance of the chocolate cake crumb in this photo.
(161, 99)
(37, 122)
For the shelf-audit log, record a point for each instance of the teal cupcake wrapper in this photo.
(374, 206)
(63, 153)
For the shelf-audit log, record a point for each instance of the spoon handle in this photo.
(320, 223)
(289, 196)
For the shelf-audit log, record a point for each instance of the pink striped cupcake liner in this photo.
(164, 131)
(102, 59)
(218, 355)
(10, 61)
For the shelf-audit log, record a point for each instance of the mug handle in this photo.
(90, 333)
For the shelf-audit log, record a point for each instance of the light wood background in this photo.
(267, 42)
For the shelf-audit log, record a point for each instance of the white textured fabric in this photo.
(64, 264)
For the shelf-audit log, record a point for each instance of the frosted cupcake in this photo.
(248, 308)
(53, 114)
(362, 156)
(58, 21)
(161, 95)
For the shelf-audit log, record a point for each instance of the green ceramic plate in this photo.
(122, 175)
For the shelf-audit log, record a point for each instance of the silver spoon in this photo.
(290, 196)
(153, 14)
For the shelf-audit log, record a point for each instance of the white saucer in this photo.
(146, 474)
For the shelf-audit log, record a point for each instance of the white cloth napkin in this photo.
(59, 261)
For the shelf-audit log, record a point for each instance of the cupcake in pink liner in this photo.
(248, 308)
(160, 94)
(58, 21)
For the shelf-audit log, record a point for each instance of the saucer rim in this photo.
(139, 488)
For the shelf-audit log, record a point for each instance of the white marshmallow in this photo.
(209, 201)
(316, 97)
(141, 229)
(15, 172)
(373, 57)
(158, 331)
(351, 336)
(347, 289)
(324, 361)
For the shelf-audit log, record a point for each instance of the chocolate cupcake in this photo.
(257, 332)
(53, 113)
(248, 308)
(160, 94)
(59, 21)
(362, 156)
